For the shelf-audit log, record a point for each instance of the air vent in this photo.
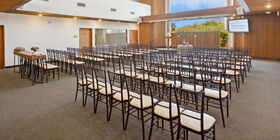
(113, 9)
(80, 4)
(132, 13)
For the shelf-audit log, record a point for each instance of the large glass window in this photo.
(191, 5)
(110, 36)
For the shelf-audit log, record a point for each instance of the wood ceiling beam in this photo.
(11, 5)
(214, 12)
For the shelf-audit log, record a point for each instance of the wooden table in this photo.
(31, 57)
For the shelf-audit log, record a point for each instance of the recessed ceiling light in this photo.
(99, 20)
(75, 18)
(267, 12)
(268, 6)
(40, 15)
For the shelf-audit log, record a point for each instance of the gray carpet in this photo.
(48, 111)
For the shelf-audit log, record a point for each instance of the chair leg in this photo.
(83, 92)
(85, 104)
(128, 109)
(230, 89)
(236, 83)
(214, 133)
(47, 76)
(171, 130)
(151, 126)
(58, 75)
(227, 107)
(143, 125)
(53, 73)
(222, 112)
(77, 92)
(97, 99)
(178, 132)
(110, 108)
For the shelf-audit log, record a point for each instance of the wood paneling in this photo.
(9, 5)
(259, 5)
(133, 36)
(145, 33)
(215, 12)
(149, 2)
(264, 37)
(85, 37)
(207, 39)
(155, 31)
(2, 47)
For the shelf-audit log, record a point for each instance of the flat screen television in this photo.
(238, 26)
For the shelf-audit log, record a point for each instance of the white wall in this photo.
(94, 8)
(47, 32)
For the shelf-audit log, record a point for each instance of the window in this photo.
(110, 36)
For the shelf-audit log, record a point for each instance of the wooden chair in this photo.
(104, 91)
(165, 109)
(140, 101)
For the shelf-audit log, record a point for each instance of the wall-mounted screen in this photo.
(238, 26)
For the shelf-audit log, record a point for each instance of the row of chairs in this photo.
(154, 101)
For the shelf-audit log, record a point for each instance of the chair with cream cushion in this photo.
(215, 95)
(119, 95)
(81, 82)
(103, 91)
(195, 121)
(91, 86)
(166, 109)
(139, 100)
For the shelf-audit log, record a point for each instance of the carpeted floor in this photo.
(48, 111)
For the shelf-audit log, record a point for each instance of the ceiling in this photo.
(8, 5)
(259, 5)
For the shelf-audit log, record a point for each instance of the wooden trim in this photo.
(70, 16)
(214, 12)
(3, 44)
(18, 5)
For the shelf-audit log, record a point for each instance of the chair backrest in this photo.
(101, 79)
(136, 85)
(80, 74)
(89, 76)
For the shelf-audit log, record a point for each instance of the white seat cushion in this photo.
(156, 79)
(102, 90)
(146, 100)
(50, 66)
(191, 87)
(215, 93)
(194, 124)
(231, 72)
(164, 111)
(176, 83)
(85, 81)
(217, 80)
(118, 95)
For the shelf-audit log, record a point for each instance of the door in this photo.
(85, 37)
(2, 48)
(133, 36)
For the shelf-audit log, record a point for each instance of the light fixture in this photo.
(99, 20)
(268, 12)
(40, 15)
(268, 6)
(75, 18)
(278, 13)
